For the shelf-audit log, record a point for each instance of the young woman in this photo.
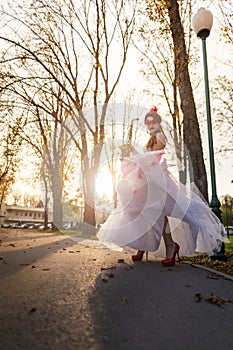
(154, 205)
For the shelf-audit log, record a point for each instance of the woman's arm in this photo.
(161, 142)
(128, 150)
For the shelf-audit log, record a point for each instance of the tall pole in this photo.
(202, 23)
(214, 203)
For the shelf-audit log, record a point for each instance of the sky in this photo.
(217, 53)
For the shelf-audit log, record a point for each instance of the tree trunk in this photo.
(191, 131)
(46, 213)
(90, 166)
(89, 206)
(89, 224)
(57, 199)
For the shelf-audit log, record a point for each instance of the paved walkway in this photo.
(57, 293)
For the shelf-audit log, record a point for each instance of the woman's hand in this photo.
(127, 150)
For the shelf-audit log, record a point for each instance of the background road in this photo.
(59, 294)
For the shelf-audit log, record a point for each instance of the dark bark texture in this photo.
(191, 131)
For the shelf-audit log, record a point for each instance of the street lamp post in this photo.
(226, 206)
(202, 23)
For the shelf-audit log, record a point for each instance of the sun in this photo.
(103, 184)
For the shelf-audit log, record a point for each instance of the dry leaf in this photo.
(198, 297)
(214, 300)
(33, 309)
(108, 268)
(124, 300)
(110, 274)
(105, 280)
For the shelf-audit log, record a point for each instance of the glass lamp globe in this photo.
(202, 23)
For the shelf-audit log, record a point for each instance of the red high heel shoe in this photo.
(171, 261)
(138, 256)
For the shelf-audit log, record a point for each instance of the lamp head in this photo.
(202, 23)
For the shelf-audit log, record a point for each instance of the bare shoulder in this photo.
(161, 138)
(161, 142)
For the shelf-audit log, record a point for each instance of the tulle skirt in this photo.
(148, 193)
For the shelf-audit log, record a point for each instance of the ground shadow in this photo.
(145, 306)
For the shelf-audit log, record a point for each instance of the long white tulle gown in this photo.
(148, 192)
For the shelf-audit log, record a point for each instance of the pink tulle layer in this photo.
(148, 192)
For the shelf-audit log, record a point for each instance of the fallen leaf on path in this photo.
(213, 276)
(198, 297)
(124, 300)
(108, 268)
(33, 309)
(214, 299)
(121, 261)
(105, 280)
(110, 274)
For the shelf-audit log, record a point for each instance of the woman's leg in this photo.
(138, 256)
(168, 240)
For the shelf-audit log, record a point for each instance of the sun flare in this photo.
(104, 185)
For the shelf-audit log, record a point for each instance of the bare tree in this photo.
(223, 112)
(226, 20)
(52, 147)
(168, 14)
(9, 148)
(80, 42)
(222, 87)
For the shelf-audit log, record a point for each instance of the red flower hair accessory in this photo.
(154, 109)
(153, 113)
